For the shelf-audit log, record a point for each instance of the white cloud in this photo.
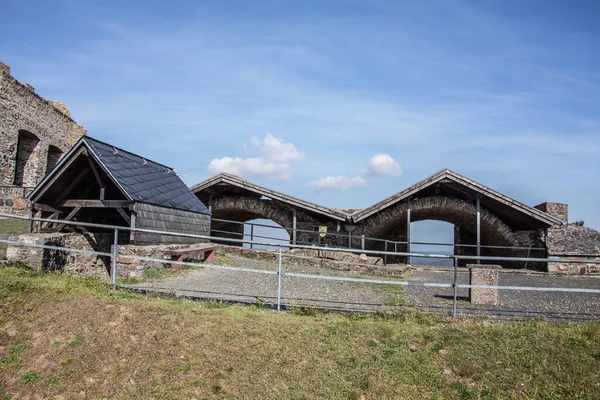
(338, 182)
(277, 161)
(383, 164)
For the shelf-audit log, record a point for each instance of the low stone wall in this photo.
(575, 268)
(86, 264)
(57, 260)
(13, 200)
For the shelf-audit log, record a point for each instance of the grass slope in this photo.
(69, 337)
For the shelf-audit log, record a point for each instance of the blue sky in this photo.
(302, 96)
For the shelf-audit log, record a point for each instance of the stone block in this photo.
(487, 275)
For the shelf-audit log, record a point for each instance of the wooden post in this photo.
(408, 230)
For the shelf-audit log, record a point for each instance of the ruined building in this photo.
(34, 134)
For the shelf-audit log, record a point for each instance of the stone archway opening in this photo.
(231, 218)
(432, 231)
(27, 161)
(54, 155)
(265, 230)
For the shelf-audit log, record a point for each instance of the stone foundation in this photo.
(487, 275)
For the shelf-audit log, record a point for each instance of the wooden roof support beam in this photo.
(72, 186)
(58, 174)
(124, 215)
(85, 203)
(68, 217)
(44, 207)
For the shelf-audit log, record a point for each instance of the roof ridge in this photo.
(126, 152)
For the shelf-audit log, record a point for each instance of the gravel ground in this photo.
(249, 287)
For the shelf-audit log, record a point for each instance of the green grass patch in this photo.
(132, 346)
(30, 377)
(11, 226)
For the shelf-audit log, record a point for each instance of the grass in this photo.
(10, 226)
(132, 346)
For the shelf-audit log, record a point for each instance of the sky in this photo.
(342, 103)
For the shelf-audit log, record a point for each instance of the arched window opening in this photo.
(425, 237)
(27, 162)
(54, 155)
(267, 231)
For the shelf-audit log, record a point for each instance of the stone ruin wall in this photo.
(47, 131)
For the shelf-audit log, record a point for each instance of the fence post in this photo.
(385, 254)
(114, 258)
(279, 275)
(251, 235)
(455, 288)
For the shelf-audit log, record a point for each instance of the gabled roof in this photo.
(224, 179)
(446, 182)
(139, 179)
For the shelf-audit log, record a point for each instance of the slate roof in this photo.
(224, 179)
(140, 179)
(458, 185)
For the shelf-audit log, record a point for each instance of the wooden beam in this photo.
(44, 207)
(53, 216)
(68, 217)
(124, 215)
(91, 203)
(74, 183)
(96, 173)
(58, 173)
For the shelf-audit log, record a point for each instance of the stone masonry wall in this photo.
(41, 124)
(574, 242)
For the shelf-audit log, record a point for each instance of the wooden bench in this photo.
(186, 252)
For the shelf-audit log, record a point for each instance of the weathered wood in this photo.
(45, 207)
(96, 173)
(74, 183)
(58, 173)
(124, 215)
(53, 216)
(91, 203)
(68, 217)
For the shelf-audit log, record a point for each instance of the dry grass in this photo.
(75, 337)
(10, 226)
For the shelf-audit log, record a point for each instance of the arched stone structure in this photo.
(388, 222)
(27, 169)
(54, 155)
(247, 208)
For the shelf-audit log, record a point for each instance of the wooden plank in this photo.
(58, 174)
(74, 183)
(124, 215)
(68, 217)
(53, 216)
(44, 207)
(91, 203)
(96, 173)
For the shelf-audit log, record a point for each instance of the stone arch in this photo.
(27, 160)
(244, 209)
(54, 155)
(452, 210)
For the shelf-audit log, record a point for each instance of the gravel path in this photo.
(249, 287)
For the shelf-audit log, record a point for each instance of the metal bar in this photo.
(362, 240)
(385, 255)
(528, 254)
(343, 250)
(408, 229)
(349, 239)
(251, 235)
(455, 288)
(115, 256)
(478, 228)
(323, 277)
(279, 276)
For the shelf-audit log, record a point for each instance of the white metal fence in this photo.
(280, 273)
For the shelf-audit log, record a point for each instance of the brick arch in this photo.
(244, 209)
(447, 209)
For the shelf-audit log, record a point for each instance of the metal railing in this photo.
(114, 255)
(343, 237)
